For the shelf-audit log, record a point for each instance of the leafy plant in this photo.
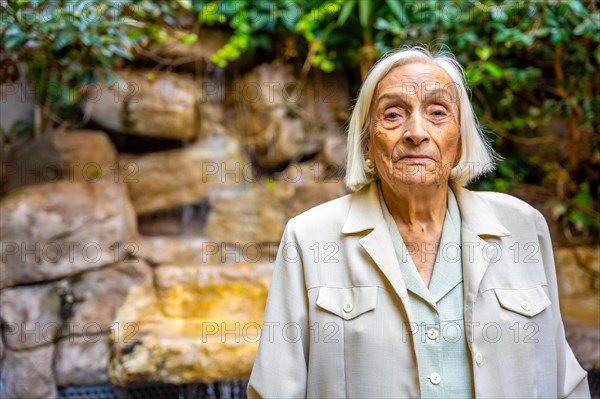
(67, 44)
(532, 66)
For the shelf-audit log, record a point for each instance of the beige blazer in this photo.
(337, 323)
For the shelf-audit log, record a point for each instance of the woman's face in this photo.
(414, 130)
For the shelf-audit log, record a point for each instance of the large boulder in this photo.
(197, 250)
(278, 116)
(578, 286)
(82, 360)
(85, 304)
(248, 215)
(181, 52)
(28, 374)
(97, 295)
(30, 315)
(156, 104)
(215, 342)
(212, 292)
(172, 178)
(54, 230)
(257, 214)
(70, 155)
(309, 184)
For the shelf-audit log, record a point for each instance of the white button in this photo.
(347, 307)
(435, 378)
(432, 334)
(526, 305)
(478, 358)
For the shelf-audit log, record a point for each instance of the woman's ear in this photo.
(367, 150)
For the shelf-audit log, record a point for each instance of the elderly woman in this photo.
(414, 286)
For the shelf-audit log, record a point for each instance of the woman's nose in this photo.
(415, 132)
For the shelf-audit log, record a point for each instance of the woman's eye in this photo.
(392, 115)
(438, 113)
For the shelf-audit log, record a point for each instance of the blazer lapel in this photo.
(365, 214)
(479, 221)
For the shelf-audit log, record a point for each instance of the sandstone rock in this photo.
(572, 279)
(258, 213)
(197, 250)
(157, 104)
(334, 153)
(208, 43)
(167, 179)
(152, 347)
(236, 292)
(252, 215)
(28, 374)
(31, 316)
(589, 258)
(271, 117)
(82, 360)
(584, 309)
(313, 183)
(99, 294)
(70, 155)
(54, 230)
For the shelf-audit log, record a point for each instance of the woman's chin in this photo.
(420, 180)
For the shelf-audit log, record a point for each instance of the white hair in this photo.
(477, 155)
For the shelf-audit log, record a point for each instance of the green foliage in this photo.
(254, 23)
(69, 44)
(532, 66)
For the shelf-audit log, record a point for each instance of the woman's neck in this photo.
(417, 208)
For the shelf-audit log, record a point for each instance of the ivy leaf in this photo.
(493, 69)
(188, 38)
(398, 10)
(364, 13)
(346, 11)
(581, 220)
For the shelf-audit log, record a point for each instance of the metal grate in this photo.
(221, 390)
(89, 392)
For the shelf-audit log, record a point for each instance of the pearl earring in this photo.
(369, 163)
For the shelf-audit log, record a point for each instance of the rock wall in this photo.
(85, 299)
(578, 270)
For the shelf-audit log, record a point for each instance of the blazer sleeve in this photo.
(572, 378)
(280, 369)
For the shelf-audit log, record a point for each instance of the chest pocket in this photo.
(347, 303)
(527, 302)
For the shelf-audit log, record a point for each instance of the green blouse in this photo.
(437, 328)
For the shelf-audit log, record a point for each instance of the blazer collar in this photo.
(365, 210)
(476, 214)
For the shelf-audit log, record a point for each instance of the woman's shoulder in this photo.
(510, 209)
(503, 201)
(330, 213)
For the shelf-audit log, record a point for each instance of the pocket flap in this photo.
(347, 303)
(528, 302)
